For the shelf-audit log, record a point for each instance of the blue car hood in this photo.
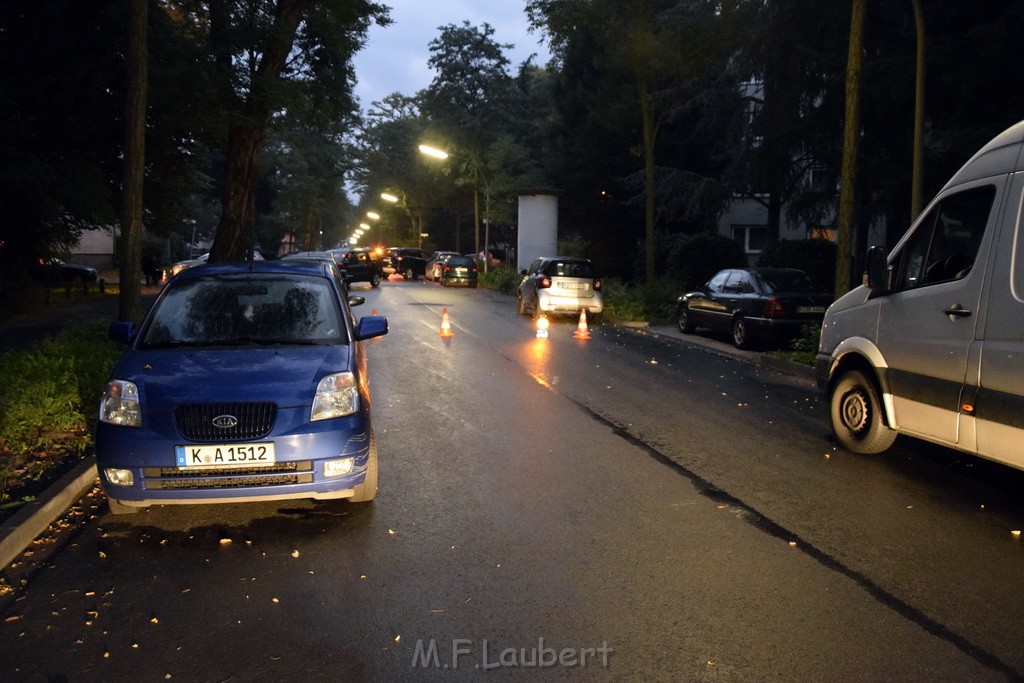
(286, 375)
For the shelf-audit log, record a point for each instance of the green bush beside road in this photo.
(49, 404)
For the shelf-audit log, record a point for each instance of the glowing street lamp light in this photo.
(364, 226)
(373, 214)
(477, 176)
(388, 197)
(434, 152)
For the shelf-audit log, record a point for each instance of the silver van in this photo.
(932, 345)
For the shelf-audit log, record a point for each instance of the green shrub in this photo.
(654, 303)
(815, 257)
(52, 390)
(805, 347)
(695, 259)
(501, 279)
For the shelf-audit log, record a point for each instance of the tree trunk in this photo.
(917, 179)
(650, 132)
(235, 233)
(134, 165)
(851, 133)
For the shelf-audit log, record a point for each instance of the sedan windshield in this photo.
(246, 309)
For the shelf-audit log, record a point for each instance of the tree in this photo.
(851, 133)
(134, 162)
(661, 47)
(469, 101)
(270, 56)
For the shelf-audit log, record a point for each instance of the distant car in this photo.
(409, 262)
(459, 271)
(436, 263)
(560, 284)
(754, 304)
(55, 271)
(243, 383)
(199, 260)
(360, 264)
(188, 263)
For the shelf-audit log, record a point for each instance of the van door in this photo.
(927, 323)
(999, 407)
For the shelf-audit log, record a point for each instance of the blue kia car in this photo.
(246, 381)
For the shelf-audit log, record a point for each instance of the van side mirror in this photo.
(878, 268)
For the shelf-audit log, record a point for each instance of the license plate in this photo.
(225, 455)
(572, 285)
(460, 271)
(810, 309)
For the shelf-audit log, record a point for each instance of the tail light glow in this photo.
(773, 308)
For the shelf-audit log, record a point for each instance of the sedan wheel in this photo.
(685, 322)
(375, 280)
(520, 305)
(856, 414)
(537, 313)
(409, 274)
(740, 338)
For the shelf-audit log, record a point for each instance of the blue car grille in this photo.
(253, 420)
(172, 478)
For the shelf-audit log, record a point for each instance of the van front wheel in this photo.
(855, 409)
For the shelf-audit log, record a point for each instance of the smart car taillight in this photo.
(597, 284)
(773, 308)
(544, 283)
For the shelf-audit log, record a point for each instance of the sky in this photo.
(395, 57)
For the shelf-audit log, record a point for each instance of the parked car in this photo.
(243, 383)
(754, 304)
(560, 284)
(459, 271)
(436, 263)
(361, 264)
(57, 271)
(199, 260)
(931, 345)
(409, 262)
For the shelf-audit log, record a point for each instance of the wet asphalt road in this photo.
(641, 509)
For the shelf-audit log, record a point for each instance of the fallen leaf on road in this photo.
(1015, 533)
(295, 553)
(225, 541)
(12, 618)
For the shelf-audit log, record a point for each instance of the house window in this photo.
(823, 233)
(752, 237)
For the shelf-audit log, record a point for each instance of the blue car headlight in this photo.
(336, 396)
(120, 404)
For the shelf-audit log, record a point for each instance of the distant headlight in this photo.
(336, 396)
(120, 404)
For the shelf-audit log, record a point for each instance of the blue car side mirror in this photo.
(371, 326)
(122, 332)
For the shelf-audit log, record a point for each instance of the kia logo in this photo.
(225, 421)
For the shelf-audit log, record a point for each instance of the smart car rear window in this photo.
(581, 269)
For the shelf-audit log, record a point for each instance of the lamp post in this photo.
(477, 176)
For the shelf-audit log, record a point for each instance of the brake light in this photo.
(544, 283)
(773, 308)
(597, 284)
(447, 268)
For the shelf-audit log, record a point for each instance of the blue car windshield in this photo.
(246, 309)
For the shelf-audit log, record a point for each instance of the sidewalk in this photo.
(706, 341)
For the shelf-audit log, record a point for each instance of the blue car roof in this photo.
(291, 266)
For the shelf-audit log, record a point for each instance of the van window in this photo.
(945, 244)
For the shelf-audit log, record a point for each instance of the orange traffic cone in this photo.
(374, 312)
(581, 330)
(446, 325)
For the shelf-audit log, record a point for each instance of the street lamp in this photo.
(373, 215)
(477, 176)
(388, 197)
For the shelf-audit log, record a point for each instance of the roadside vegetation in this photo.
(48, 408)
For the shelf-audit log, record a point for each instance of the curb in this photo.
(19, 530)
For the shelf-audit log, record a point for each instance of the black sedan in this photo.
(56, 271)
(458, 271)
(754, 304)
